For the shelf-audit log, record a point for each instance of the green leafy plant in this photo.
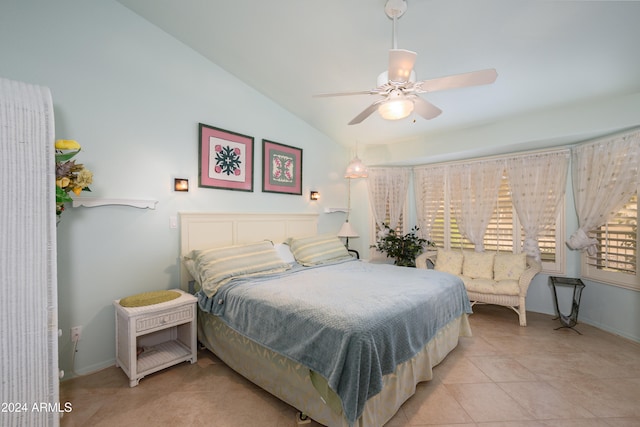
(404, 249)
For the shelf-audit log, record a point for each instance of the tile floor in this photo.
(504, 375)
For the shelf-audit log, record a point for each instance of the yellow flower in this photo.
(84, 178)
(77, 190)
(67, 144)
(62, 182)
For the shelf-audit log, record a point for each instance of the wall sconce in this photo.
(314, 195)
(180, 184)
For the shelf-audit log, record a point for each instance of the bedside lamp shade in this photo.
(347, 231)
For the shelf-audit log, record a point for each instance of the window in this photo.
(499, 235)
(616, 259)
(399, 228)
(387, 220)
(504, 232)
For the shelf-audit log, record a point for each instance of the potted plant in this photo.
(404, 249)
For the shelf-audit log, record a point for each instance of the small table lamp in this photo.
(347, 231)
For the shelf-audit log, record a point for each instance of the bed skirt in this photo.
(291, 381)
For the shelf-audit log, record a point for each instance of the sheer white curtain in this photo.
(387, 187)
(537, 184)
(474, 193)
(605, 176)
(378, 190)
(428, 187)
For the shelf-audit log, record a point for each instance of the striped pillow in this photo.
(216, 267)
(316, 250)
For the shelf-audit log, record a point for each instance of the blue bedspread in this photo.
(351, 322)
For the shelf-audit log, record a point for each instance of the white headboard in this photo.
(202, 230)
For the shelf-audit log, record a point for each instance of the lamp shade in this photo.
(347, 231)
(356, 169)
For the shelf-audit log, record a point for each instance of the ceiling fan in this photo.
(398, 86)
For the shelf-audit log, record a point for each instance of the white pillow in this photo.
(284, 252)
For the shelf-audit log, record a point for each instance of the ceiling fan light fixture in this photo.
(398, 88)
(396, 109)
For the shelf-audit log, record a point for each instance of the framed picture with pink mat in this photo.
(226, 159)
(282, 168)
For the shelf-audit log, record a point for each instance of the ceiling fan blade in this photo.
(425, 108)
(474, 78)
(400, 65)
(361, 92)
(366, 113)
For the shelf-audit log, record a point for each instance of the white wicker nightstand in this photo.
(166, 331)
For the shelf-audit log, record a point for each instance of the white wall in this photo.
(133, 97)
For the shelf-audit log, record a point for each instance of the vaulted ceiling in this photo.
(548, 54)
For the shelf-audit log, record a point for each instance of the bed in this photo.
(361, 349)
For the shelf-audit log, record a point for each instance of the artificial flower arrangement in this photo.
(404, 249)
(70, 176)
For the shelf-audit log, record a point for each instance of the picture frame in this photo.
(281, 168)
(225, 159)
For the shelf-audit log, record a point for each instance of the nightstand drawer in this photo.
(166, 319)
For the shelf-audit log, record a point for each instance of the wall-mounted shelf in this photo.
(90, 202)
(333, 210)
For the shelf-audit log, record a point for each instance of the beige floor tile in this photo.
(524, 423)
(433, 404)
(557, 366)
(502, 369)
(458, 369)
(623, 422)
(544, 401)
(503, 376)
(606, 398)
(530, 345)
(487, 402)
(476, 346)
(582, 422)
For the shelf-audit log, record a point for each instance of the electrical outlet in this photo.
(76, 333)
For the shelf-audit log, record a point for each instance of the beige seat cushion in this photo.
(149, 298)
(487, 286)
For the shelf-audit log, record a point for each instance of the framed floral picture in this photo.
(226, 159)
(281, 168)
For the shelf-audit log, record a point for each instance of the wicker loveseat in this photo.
(490, 278)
